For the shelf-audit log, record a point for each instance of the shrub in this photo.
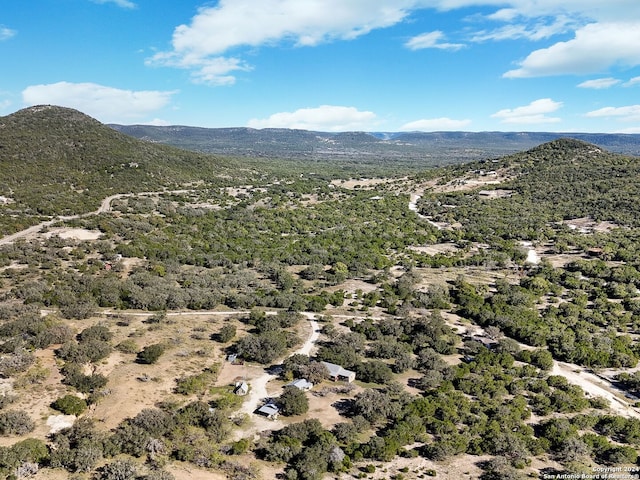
(193, 383)
(90, 350)
(119, 470)
(227, 333)
(154, 421)
(159, 475)
(15, 422)
(77, 448)
(70, 405)
(151, 353)
(127, 346)
(74, 377)
(29, 451)
(96, 332)
(6, 399)
(15, 363)
(240, 447)
(79, 309)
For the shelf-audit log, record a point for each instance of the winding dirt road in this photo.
(595, 386)
(591, 384)
(413, 206)
(105, 206)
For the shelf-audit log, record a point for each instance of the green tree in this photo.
(293, 401)
(375, 371)
(70, 405)
(227, 333)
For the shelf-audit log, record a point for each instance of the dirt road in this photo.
(105, 206)
(591, 384)
(413, 206)
(595, 386)
(258, 392)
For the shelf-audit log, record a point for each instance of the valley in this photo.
(489, 311)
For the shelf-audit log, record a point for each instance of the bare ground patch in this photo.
(74, 233)
(497, 193)
(461, 467)
(470, 182)
(364, 183)
(589, 225)
(439, 248)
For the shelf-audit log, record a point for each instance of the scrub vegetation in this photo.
(462, 319)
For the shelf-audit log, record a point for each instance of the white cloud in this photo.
(435, 125)
(233, 24)
(629, 113)
(605, 34)
(120, 3)
(535, 112)
(210, 71)
(107, 104)
(632, 82)
(504, 15)
(611, 10)
(157, 122)
(325, 118)
(431, 40)
(630, 130)
(539, 30)
(213, 42)
(6, 33)
(599, 83)
(595, 48)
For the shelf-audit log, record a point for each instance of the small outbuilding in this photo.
(301, 384)
(486, 342)
(269, 410)
(241, 388)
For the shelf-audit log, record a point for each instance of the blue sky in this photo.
(330, 65)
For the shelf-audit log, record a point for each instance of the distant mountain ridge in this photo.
(428, 147)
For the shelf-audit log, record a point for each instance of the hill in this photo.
(407, 150)
(538, 190)
(577, 179)
(57, 160)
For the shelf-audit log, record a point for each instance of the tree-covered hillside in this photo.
(56, 160)
(556, 181)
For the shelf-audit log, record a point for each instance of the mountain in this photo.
(78, 161)
(414, 149)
